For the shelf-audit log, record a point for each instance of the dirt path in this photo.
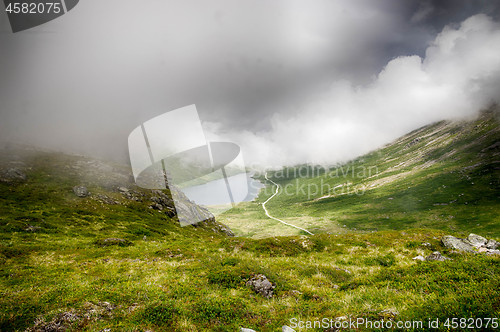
(267, 212)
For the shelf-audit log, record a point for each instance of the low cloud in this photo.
(459, 75)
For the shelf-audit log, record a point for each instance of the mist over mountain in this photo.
(291, 82)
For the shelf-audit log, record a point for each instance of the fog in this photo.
(289, 81)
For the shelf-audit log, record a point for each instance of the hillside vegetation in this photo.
(117, 259)
(443, 176)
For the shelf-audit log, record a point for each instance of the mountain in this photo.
(83, 249)
(443, 176)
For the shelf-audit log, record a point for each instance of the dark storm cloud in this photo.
(84, 81)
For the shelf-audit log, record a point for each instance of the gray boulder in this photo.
(476, 240)
(452, 242)
(11, 175)
(436, 256)
(492, 244)
(243, 329)
(260, 284)
(419, 258)
(81, 191)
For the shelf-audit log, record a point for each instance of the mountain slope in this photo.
(444, 176)
(117, 259)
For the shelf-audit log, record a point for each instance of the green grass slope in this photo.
(57, 272)
(442, 176)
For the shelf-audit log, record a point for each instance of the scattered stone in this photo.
(452, 242)
(426, 244)
(389, 314)
(133, 195)
(473, 243)
(419, 258)
(261, 285)
(436, 256)
(11, 175)
(476, 240)
(105, 199)
(244, 329)
(492, 244)
(123, 189)
(81, 191)
(61, 322)
(97, 311)
(31, 228)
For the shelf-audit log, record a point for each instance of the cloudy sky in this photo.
(289, 81)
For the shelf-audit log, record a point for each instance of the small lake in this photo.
(244, 188)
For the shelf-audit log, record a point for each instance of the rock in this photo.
(482, 249)
(11, 175)
(493, 252)
(105, 199)
(419, 258)
(436, 256)
(81, 191)
(123, 189)
(32, 228)
(260, 284)
(285, 328)
(452, 242)
(161, 201)
(492, 244)
(244, 329)
(133, 195)
(476, 240)
(388, 314)
(61, 322)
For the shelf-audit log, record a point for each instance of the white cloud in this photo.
(453, 80)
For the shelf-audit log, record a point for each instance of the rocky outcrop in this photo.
(63, 321)
(475, 240)
(81, 191)
(12, 175)
(261, 285)
(473, 244)
(492, 244)
(455, 243)
(162, 202)
(436, 256)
